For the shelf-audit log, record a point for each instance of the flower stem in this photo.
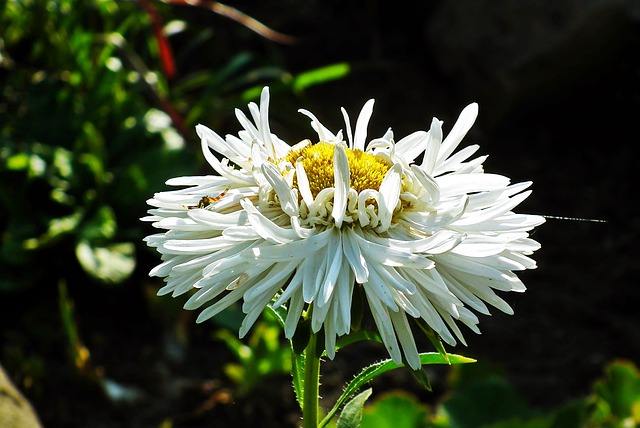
(311, 385)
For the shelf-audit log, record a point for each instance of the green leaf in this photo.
(375, 370)
(619, 392)
(297, 373)
(301, 336)
(358, 336)
(111, 264)
(420, 375)
(102, 226)
(351, 415)
(58, 227)
(279, 314)
(432, 336)
(571, 415)
(320, 75)
(482, 396)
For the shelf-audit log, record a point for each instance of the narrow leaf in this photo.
(375, 370)
(433, 337)
(421, 376)
(358, 336)
(297, 373)
(320, 75)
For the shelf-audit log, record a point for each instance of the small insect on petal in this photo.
(208, 200)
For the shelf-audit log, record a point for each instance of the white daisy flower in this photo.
(421, 230)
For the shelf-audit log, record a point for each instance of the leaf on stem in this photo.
(375, 370)
(351, 415)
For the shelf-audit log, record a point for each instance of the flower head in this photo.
(418, 227)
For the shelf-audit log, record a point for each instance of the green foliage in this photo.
(262, 356)
(371, 372)
(395, 410)
(81, 150)
(480, 397)
(92, 123)
(616, 398)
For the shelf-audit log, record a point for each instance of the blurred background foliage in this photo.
(98, 101)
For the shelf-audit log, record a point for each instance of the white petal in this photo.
(264, 122)
(293, 314)
(432, 147)
(479, 246)
(333, 266)
(401, 325)
(389, 195)
(456, 162)
(463, 124)
(347, 124)
(266, 228)
(429, 184)
(360, 137)
(493, 212)
(303, 183)
(323, 133)
(352, 251)
(221, 305)
(294, 250)
(342, 181)
(287, 202)
(469, 183)
(385, 327)
(412, 145)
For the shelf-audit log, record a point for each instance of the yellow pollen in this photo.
(367, 171)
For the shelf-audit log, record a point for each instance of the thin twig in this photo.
(240, 17)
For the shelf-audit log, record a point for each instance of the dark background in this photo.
(559, 95)
(558, 84)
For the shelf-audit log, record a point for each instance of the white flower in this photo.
(306, 225)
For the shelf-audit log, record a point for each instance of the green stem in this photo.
(311, 385)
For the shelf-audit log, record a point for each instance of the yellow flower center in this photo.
(367, 171)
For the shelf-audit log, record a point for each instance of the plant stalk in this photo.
(311, 385)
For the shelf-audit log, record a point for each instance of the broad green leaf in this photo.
(375, 370)
(102, 226)
(395, 410)
(619, 392)
(358, 336)
(111, 264)
(482, 396)
(351, 414)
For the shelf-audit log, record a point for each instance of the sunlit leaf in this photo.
(351, 414)
(619, 392)
(110, 264)
(375, 370)
(320, 75)
(102, 226)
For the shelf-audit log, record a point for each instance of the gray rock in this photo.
(15, 410)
